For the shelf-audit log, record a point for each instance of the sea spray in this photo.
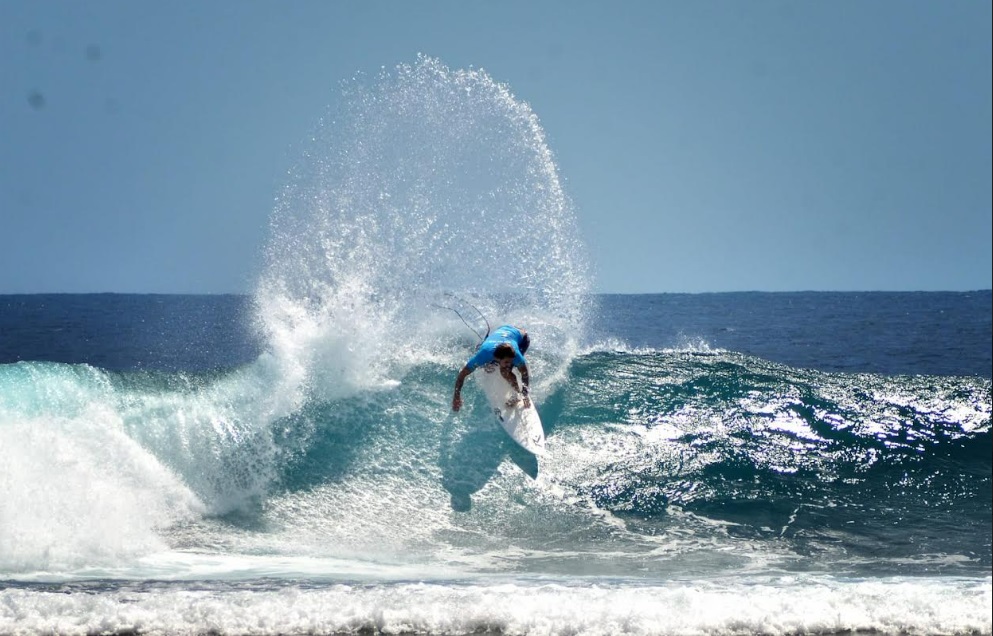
(421, 182)
(423, 190)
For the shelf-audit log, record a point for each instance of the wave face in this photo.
(707, 462)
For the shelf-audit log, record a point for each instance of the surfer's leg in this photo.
(511, 379)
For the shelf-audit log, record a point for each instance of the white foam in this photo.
(684, 345)
(77, 490)
(590, 608)
(179, 565)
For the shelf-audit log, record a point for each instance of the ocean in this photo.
(287, 461)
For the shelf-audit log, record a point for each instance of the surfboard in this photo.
(522, 424)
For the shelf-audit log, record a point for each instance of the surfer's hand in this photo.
(456, 402)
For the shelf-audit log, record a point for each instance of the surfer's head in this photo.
(504, 354)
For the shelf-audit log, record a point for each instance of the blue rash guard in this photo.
(506, 333)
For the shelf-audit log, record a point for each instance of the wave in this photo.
(661, 454)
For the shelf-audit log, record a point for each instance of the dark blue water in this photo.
(129, 331)
(934, 333)
(930, 333)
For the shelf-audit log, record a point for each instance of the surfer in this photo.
(504, 347)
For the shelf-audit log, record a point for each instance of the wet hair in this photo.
(503, 350)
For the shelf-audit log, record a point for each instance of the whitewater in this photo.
(322, 485)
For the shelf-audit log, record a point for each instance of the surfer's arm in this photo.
(525, 385)
(457, 398)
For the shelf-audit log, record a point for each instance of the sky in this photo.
(706, 146)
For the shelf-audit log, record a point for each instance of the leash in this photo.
(456, 312)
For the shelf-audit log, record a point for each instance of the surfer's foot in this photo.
(512, 402)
